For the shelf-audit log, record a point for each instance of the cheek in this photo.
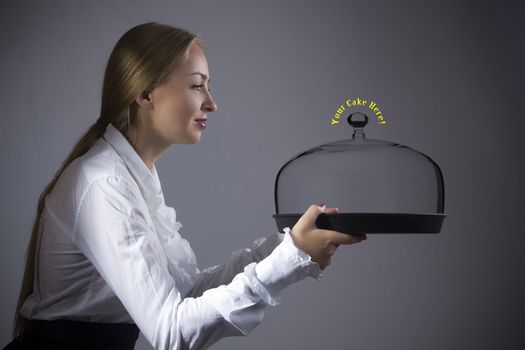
(183, 108)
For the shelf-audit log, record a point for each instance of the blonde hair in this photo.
(143, 58)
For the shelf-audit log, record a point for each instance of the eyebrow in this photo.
(201, 74)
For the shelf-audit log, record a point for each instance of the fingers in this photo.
(332, 248)
(331, 211)
(343, 238)
(323, 209)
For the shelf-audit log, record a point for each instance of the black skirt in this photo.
(66, 334)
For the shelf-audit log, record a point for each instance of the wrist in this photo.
(287, 264)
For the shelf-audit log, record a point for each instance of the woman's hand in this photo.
(320, 244)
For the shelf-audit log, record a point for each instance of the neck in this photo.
(148, 147)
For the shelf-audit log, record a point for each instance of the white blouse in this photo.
(110, 251)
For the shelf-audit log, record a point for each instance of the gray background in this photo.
(449, 78)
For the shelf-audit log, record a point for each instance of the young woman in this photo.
(105, 259)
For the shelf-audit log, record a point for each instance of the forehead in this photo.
(196, 62)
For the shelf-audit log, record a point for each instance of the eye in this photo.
(198, 87)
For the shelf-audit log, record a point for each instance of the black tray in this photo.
(355, 223)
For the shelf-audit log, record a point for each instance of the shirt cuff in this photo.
(287, 264)
(264, 246)
(313, 269)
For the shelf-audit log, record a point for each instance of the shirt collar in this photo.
(147, 180)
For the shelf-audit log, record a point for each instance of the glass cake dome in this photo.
(378, 186)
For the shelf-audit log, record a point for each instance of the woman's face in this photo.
(175, 105)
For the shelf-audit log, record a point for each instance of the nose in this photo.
(210, 104)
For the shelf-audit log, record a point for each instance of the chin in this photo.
(187, 139)
(197, 137)
(194, 140)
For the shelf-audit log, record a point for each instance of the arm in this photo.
(216, 275)
(112, 230)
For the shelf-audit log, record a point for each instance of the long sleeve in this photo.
(114, 231)
(216, 275)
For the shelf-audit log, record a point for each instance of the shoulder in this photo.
(99, 167)
(100, 162)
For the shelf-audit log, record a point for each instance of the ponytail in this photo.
(82, 146)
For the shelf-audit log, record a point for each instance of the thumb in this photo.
(344, 238)
(310, 215)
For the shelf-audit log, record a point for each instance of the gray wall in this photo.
(449, 77)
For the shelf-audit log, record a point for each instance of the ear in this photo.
(143, 99)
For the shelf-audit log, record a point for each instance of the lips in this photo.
(201, 122)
